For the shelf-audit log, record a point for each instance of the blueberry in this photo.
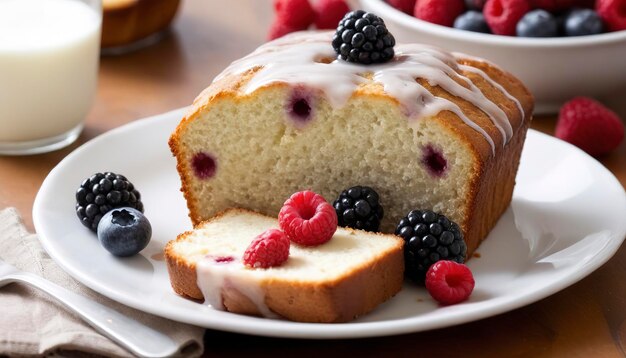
(475, 4)
(537, 23)
(581, 22)
(472, 21)
(124, 231)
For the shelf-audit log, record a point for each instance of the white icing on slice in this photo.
(301, 59)
(210, 279)
(213, 277)
(399, 81)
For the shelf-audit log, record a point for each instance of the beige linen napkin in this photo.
(32, 323)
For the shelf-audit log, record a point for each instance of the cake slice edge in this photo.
(351, 294)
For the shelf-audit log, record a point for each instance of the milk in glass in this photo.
(49, 53)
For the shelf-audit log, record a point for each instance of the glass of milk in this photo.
(49, 52)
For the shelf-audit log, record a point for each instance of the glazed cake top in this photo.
(308, 59)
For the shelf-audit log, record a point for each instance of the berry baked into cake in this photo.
(324, 111)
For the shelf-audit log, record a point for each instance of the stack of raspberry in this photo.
(525, 18)
(297, 15)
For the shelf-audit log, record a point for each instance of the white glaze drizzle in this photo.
(213, 277)
(297, 59)
(486, 77)
(438, 67)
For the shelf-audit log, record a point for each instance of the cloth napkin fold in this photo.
(32, 323)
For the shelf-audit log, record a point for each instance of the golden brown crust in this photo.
(491, 186)
(355, 294)
(127, 21)
(494, 191)
(182, 274)
(343, 299)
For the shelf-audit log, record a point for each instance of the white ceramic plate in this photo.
(566, 219)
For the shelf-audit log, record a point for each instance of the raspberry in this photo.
(502, 15)
(308, 219)
(441, 12)
(279, 29)
(294, 13)
(405, 6)
(269, 249)
(590, 126)
(613, 12)
(328, 13)
(449, 282)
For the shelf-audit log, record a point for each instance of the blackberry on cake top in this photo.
(362, 37)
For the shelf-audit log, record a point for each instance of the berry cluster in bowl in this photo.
(523, 18)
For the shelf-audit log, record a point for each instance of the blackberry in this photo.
(429, 237)
(362, 37)
(358, 208)
(102, 192)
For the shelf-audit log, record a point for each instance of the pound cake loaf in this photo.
(334, 282)
(427, 130)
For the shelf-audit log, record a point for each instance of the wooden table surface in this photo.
(586, 319)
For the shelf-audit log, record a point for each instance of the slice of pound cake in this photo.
(346, 277)
(427, 130)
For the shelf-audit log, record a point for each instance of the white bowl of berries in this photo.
(571, 48)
